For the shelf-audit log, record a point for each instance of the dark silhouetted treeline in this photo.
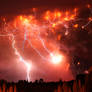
(83, 83)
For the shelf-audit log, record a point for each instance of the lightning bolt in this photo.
(35, 27)
(28, 66)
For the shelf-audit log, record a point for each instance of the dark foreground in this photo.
(83, 83)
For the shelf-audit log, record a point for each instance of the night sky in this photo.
(76, 47)
(13, 6)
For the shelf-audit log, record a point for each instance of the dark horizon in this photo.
(83, 83)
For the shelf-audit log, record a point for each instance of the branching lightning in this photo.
(18, 54)
(32, 28)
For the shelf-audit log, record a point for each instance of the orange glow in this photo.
(76, 25)
(66, 19)
(26, 21)
(55, 14)
(54, 24)
(21, 17)
(59, 37)
(47, 12)
(4, 19)
(67, 67)
(72, 17)
(59, 14)
(67, 13)
(90, 19)
(53, 31)
(56, 58)
(78, 63)
(75, 10)
(47, 17)
(31, 17)
(88, 5)
(34, 9)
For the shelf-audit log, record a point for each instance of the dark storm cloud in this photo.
(13, 6)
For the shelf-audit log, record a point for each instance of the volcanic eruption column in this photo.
(57, 20)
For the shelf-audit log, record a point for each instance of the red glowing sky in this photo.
(10, 66)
